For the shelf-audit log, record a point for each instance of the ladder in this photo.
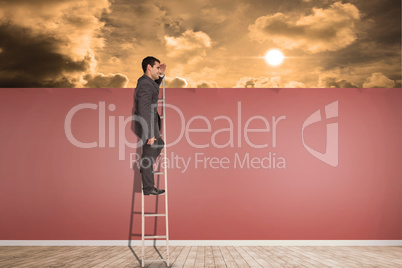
(165, 194)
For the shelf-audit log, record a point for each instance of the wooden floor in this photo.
(119, 256)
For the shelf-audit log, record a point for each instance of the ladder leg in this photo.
(143, 228)
(165, 171)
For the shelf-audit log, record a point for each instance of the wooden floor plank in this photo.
(229, 261)
(341, 256)
(92, 256)
(84, 255)
(52, 256)
(218, 258)
(106, 254)
(209, 257)
(132, 261)
(308, 256)
(275, 255)
(174, 253)
(290, 257)
(328, 258)
(237, 257)
(298, 256)
(156, 254)
(366, 256)
(123, 258)
(246, 257)
(181, 258)
(22, 257)
(254, 253)
(192, 255)
(201, 256)
(17, 255)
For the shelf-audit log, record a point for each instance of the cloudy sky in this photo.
(205, 43)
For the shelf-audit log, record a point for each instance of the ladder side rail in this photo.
(142, 227)
(165, 170)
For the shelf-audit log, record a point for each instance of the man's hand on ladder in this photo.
(151, 141)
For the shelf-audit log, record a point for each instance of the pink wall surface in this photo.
(335, 178)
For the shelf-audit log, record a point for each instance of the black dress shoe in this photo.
(155, 192)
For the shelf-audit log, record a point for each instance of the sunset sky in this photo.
(205, 43)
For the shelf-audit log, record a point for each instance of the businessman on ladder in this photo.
(147, 122)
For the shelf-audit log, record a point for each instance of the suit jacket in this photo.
(146, 119)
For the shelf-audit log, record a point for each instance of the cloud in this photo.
(205, 42)
(189, 47)
(294, 84)
(29, 60)
(142, 20)
(74, 23)
(341, 79)
(213, 15)
(206, 84)
(267, 82)
(106, 81)
(50, 43)
(177, 82)
(327, 29)
(262, 82)
(335, 82)
(379, 80)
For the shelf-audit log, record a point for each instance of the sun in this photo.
(274, 57)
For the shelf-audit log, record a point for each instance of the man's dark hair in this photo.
(149, 60)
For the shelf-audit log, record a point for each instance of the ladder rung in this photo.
(154, 215)
(161, 117)
(161, 100)
(154, 236)
(156, 195)
(159, 173)
(155, 259)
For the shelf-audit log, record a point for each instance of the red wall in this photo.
(52, 189)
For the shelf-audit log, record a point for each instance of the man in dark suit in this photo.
(147, 121)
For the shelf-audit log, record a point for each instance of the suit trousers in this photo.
(149, 155)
